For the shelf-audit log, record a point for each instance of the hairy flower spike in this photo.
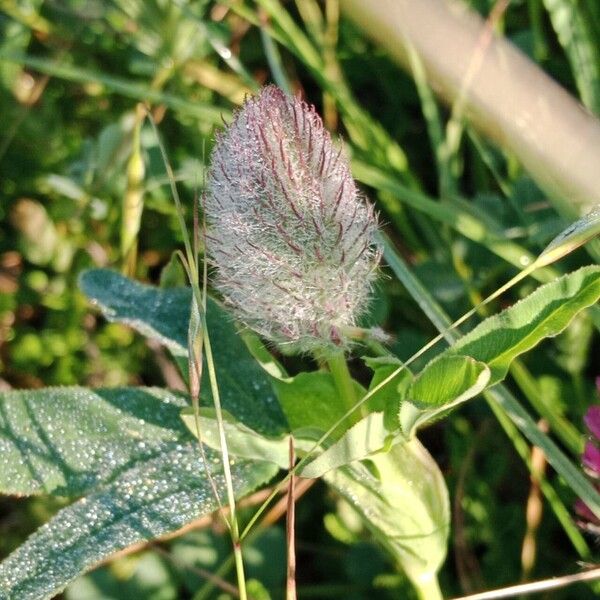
(289, 234)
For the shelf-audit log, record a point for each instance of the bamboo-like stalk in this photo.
(506, 96)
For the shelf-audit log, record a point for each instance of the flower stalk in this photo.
(344, 383)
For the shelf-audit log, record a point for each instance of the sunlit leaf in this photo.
(402, 497)
(498, 340)
(446, 382)
(311, 400)
(481, 358)
(362, 440)
(241, 440)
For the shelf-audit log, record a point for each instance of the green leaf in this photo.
(262, 355)
(242, 441)
(164, 314)
(402, 497)
(572, 474)
(446, 382)
(311, 400)
(365, 438)
(577, 234)
(498, 340)
(446, 379)
(127, 452)
(482, 358)
(147, 500)
(386, 399)
(456, 217)
(67, 441)
(159, 314)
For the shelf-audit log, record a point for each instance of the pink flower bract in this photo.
(592, 420)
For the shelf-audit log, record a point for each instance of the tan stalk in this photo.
(290, 524)
(510, 99)
(536, 587)
(534, 509)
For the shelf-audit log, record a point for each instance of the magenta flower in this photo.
(589, 521)
(290, 236)
(591, 459)
(592, 420)
(591, 463)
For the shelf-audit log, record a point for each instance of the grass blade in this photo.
(138, 91)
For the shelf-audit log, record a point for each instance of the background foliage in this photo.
(71, 74)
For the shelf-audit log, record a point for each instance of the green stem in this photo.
(336, 361)
(428, 588)
(568, 433)
(235, 533)
(560, 510)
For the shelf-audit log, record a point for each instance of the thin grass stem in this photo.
(196, 346)
(290, 530)
(535, 587)
(560, 510)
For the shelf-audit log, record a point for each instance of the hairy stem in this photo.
(344, 384)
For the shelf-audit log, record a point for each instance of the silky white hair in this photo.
(290, 236)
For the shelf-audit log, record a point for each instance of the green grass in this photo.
(459, 224)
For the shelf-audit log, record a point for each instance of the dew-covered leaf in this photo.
(66, 441)
(447, 381)
(362, 440)
(402, 497)
(164, 314)
(148, 499)
(154, 312)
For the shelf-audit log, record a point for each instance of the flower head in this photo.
(290, 236)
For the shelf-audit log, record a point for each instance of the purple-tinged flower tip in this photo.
(290, 236)
(583, 510)
(592, 420)
(591, 459)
